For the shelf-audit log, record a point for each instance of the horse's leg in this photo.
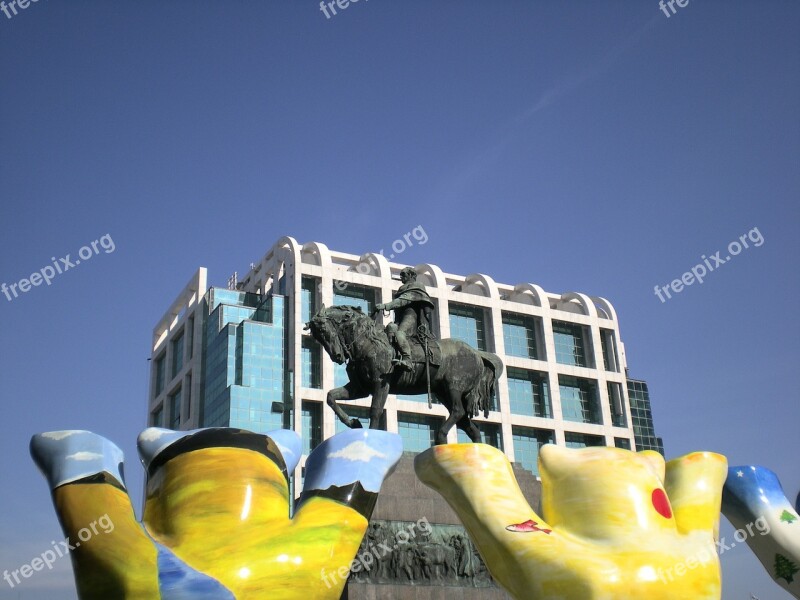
(346, 392)
(456, 414)
(376, 409)
(468, 427)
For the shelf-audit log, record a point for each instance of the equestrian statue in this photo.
(405, 358)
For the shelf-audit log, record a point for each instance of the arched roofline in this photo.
(586, 303)
(492, 291)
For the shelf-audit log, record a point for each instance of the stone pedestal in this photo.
(416, 548)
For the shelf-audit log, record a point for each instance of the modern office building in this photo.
(240, 357)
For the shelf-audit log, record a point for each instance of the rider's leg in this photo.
(405, 350)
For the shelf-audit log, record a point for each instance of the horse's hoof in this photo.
(355, 424)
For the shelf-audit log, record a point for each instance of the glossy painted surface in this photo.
(217, 512)
(616, 524)
(754, 502)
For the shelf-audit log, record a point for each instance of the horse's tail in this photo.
(478, 397)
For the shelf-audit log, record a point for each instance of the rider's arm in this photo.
(394, 304)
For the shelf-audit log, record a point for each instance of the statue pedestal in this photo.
(423, 560)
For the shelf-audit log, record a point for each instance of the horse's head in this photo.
(329, 328)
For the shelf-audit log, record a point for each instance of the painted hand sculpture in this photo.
(754, 496)
(614, 527)
(217, 521)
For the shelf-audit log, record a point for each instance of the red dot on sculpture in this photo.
(661, 503)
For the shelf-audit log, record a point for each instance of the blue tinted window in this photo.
(529, 393)
(518, 335)
(527, 443)
(616, 402)
(310, 356)
(158, 417)
(583, 440)
(418, 432)
(175, 409)
(161, 371)
(609, 348)
(490, 434)
(177, 354)
(579, 400)
(308, 298)
(312, 426)
(569, 344)
(467, 325)
(348, 294)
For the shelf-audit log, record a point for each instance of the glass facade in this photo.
(244, 361)
(177, 354)
(157, 419)
(467, 324)
(418, 431)
(310, 368)
(354, 295)
(616, 404)
(519, 335)
(161, 372)
(569, 344)
(491, 434)
(644, 434)
(609, 347)
(527, 443)
(308, 299)
(187, 387)
(529, 393)
(579, 400)
(311, 426)
(583, 440)
(190, 337)
(175, 400)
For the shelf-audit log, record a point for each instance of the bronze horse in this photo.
(463, 382)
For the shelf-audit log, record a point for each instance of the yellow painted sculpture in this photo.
(616, 524)
(218, 521)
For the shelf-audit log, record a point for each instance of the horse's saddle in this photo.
(418, 351)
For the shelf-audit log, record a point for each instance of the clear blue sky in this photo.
(591, 146)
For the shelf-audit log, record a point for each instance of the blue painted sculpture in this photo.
(753, 499)
(218, 520)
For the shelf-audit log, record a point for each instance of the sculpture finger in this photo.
(609, 530)
(344, 475)
(112, 556)
(694, 485)
(478, 483)
(214, 495)
(754, 502)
